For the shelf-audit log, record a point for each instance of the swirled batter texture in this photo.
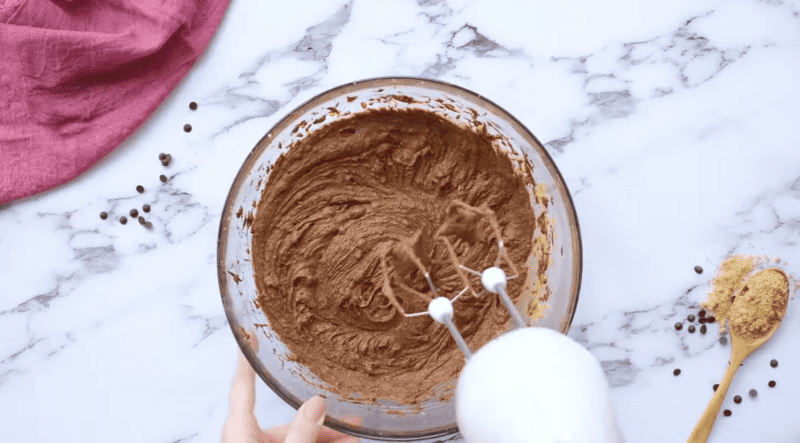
(352, 189)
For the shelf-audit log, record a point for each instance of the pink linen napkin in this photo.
(77, 77)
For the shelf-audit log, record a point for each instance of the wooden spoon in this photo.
(741, 348)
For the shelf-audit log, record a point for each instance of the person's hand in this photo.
(241, 426)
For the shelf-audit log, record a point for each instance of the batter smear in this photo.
(340, 198)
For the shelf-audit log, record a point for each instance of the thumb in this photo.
(307, 422)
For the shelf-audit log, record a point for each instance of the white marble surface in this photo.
(675, 125)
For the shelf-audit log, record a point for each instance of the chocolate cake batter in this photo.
(349, 191)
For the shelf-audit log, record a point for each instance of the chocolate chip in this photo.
(123, 220)
(187, 127)
(146, 208)
(134, 213)
(753, 392)
(690, 317)
(771, 383)
(701, 320)
(678, 326)
(140, 189)
(715, 387)
(691, 329)
(148, 225)
(727, 412)
(166, 160)
(104, 215)
(192, 106)
(141, 220)
(698, 269)
(162, 156)
(711, 319)
(163, 178)
(702, 313)
(703, 329)
(676, 372)
(723, 340)
(773, 363)
(737, 399)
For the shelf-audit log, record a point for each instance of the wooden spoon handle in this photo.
(703, 428)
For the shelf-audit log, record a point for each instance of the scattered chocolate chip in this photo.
(723, 340)
(146, 208)
(162, 156)
(163, 178)
(123, 220)
(737, 399)
(773, 363)
(753, 392)
(187, 127)
(677, 372)
(141, 220)
(678, 326)
(703, 329)
(166, 160)
(691, 329)
(140, 189)
(710, 320)
(702, 313)
(698, 269)
(727, 412)
(192, 106)
(690, 317)
(771, 383)
(104, 215)
(148, 225)
(715, 387)
(134, 213)
(701, 320)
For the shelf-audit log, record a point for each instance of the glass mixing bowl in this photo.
(433, 420)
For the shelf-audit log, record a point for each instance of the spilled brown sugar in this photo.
(728, 281)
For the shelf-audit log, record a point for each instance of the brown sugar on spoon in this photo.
(760, 306)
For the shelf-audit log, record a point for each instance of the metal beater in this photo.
(461, 221)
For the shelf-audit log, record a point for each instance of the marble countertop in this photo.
(675, 125)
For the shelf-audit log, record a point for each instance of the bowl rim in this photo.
(228, 211)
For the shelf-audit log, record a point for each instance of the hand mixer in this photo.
(493, 401)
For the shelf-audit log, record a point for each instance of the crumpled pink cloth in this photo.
(77, 77)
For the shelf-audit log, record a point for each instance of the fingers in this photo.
(307, 423)
(241, 424)
(243, 391)
(326, 435)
